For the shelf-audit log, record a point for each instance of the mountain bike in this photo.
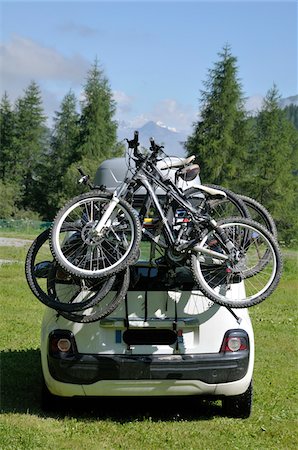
(106, 232)
(234, 204)
(62, 291)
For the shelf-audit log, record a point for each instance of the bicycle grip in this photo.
(81, 171)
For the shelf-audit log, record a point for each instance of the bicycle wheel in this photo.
(107, 305)
(54, 287)
(260, 214)
(231, 206)
(225, 281)
(83, 252)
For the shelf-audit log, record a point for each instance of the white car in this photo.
(165, 339)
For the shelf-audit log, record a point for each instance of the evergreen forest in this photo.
(253, 155)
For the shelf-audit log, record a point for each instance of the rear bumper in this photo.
(208, 368)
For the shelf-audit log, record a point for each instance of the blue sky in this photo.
(155, 54)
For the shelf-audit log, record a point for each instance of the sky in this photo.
(156, 54)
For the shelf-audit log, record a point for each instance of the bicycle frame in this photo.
(142, 177)
(108, 229)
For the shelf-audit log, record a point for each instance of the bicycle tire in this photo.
(101, 309)
(213, 276)
(86, 255)
(259, 213)
(232, 205)
(48, 294)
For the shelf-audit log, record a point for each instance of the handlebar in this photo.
(81, 172)
(154, 147)
(134, 143)
(85, 179)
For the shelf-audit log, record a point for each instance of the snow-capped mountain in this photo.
(254, 103)
(171, 139)
(293, 100)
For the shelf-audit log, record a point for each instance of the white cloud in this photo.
(25, 58)
(167, 113)
(124, 101)
(174, 115)
(254, 103)
(135, 122)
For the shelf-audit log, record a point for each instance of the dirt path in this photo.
(290, 253)
(14, 242)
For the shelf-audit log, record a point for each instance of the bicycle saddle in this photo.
(214, 193)
(174, 162)
(189, 172)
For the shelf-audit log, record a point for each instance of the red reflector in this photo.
(234, 344)
(54, 344)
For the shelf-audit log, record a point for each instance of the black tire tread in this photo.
(130, 259)
(97, 315)
(244, 212)
(239, 406)
(43, 297)
(262, 211)
(231, 196)
(270, 289)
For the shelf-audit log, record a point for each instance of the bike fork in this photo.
(106, 215)
(223, 236)
(110, 208)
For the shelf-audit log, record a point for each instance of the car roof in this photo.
(112, 172)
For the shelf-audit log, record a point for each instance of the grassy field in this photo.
(155, 423)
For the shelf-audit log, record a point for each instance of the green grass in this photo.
(153, 423)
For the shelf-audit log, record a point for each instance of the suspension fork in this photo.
(106, 215)
(223, 236)
(111, 206)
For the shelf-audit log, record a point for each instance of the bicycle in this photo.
(58, 289)
(231, 205)
(108, 233)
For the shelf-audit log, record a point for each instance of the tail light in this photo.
(62, 342)
(235, 341)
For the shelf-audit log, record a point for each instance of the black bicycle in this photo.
(98, 234)
(58, 289)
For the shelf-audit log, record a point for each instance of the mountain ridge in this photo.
(172, 139)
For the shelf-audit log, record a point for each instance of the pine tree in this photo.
(66, 131)
(64, 151)
(271, 165)
(30, 143)
(98, 130)
(6, 139)
(220, 137)
(292, 114)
